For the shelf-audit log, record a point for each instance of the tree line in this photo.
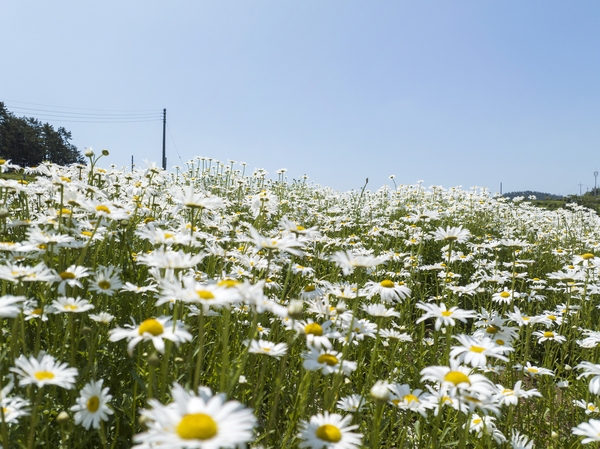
(27, 142)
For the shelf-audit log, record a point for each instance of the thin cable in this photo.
(175, 145)
(81, 109)
(95, 121)
(85, 114)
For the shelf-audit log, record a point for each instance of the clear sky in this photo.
(452, 93)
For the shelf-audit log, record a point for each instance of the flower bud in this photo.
(295, 309)
(63, 418)
(153, 360)
(380, 391)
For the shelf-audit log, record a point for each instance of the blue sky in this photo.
(452, 93)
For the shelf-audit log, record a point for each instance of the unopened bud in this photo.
(153, 360)
(380, 391)
(295, 309)
(143, 422)
(89, 153)
(63, 417)
(105, 152)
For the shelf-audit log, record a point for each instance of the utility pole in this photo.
(500, 188)
(580, 184)
(595, 182)
(132, 162)
(164, 154)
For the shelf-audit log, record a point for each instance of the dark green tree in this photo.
(28, 142)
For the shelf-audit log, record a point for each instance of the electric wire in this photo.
(74, 115)
(174, 144)
(81, 109)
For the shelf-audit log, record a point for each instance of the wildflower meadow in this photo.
(213, 307)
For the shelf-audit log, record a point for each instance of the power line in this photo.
(173, 140)
(74, 116)
(81, 109)
(47, 119)
(54, 113)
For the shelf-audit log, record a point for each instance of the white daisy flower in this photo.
(44, 370)
(268, 348)
(71, 305)
(590, 430)
(329, 431)
(154, 329)
(71, 277)
(91, 407)
(106, 281)
(9, 306)
(353, 403)
(388, 290)
(327, 361)
(474, 352)
(205, 421)
(102, 317)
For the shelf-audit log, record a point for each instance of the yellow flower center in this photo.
(500, 342)
(505, 295)
(329, 433)
(71, 307)
(103, 208)
(104, 285)
(411, 398)
(533, 370)
(205, 294)
(587, 256)
(491, 329)
(551, 317)
(456, 377)
(227, 283)
(314, 329)
(310, 288)
(36, 311)
(507, 392)
(446, 313)
(86, 233)
(548, 334)
(197, 426)
(151, 326)
(387, 283)
(92, 404)
(300, 228)
(328, 359)
(66, 275)
(168, 235)
(44, 375)
(477, 349)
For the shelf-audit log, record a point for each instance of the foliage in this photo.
(27, 142)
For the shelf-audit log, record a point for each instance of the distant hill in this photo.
(538, 195)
